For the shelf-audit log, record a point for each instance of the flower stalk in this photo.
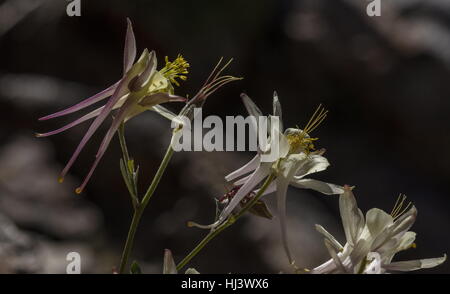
(140, 207)
(213, 83)
(231, 220)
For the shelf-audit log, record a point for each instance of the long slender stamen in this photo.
(396, 204)
(220, 83)
(404, 210)
(399, 208)
(212, 73)
(302, 139)
(316, 119)
(213, 83)
(222, 68)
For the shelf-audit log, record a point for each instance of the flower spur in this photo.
(141, 88)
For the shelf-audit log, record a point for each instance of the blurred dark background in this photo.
(385, 80)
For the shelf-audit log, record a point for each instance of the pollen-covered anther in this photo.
(176, 69)
(301, 139)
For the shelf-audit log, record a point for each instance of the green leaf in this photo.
(130, 165)
(135, 269)
(131, 186)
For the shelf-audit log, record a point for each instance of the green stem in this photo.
(140, 209)
(123, 144)
(130, 239)
(213, 233)
(126, 169)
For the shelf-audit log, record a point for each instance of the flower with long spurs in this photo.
(372, 242)
(141, 88)
(294, 160)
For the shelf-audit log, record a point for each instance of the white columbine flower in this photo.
(292, 163)
(373, 242)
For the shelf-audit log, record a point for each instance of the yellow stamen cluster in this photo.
(399, 208)
(176, 69)
(297, 141)
(302, 139)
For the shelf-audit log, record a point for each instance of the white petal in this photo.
(322, 187)
(251, 107)
(406, 240)
(129, 54)
(252, 110)
(325, 268)
(351, 215)
(335, 243)
(277, 109)
(377, 221)
(405, 221)
(316, 163)
(284, 145)
(360, 251)
(258, 175)
(398, 228)
(289, 165)
(169, 266)
(334, 255)
(248, 167)
(242, 181)
(282, 185)
(270, 189)
(164, 112)
(278, 146)
(374, 267)
(413, 265)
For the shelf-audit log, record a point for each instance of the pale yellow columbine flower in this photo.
(141, 88)
(372, 242)
(294, 160)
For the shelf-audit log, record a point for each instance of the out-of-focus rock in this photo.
(32, 197)
(25, 252)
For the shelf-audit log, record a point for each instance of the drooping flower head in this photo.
(372, 242)
(141, 88)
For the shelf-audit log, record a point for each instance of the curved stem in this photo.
(141, 207)
(213, 233)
